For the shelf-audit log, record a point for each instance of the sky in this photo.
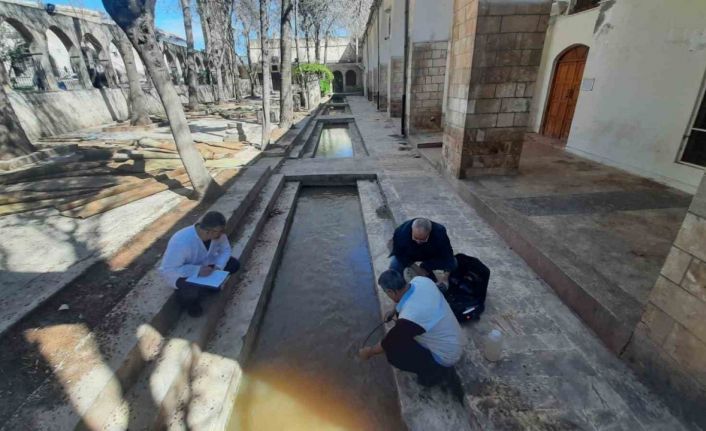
(168, 16)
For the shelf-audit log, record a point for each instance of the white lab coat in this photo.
(186, 254)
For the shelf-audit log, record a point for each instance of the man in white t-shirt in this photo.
(426, 339)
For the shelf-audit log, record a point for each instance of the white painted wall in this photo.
(648, 61)
(397, 37)
(430, 20)
(564, 31)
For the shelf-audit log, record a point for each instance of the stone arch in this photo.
(64, 58)
(118, 63)
(201, 76)
(171, 65)
(181, 63)
(18, 59)
(351, 78)
(337, 81)
(96, 59)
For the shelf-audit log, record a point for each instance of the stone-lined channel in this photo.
(303, 373)
(335, 142)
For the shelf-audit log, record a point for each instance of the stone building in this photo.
(619, 82)
(70, 60)
(340, 54)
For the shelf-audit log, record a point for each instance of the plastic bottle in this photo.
(493, 345)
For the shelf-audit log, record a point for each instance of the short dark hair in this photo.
(391, 280)
(212, 220)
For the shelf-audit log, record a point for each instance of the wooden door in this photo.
(565, 93)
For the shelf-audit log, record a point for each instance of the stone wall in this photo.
(668, 346)
(496, 51)
(50, 113)
(383, 87)
(396, 84)
(427, 90)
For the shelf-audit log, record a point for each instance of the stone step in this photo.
(156, 395)
(90, 380)
(304, 137)
(421, 408)
(207, 402)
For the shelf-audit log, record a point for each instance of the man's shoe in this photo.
(430, 379)
(195, 310)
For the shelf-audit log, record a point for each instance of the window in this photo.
(582, 5)
(695, 149)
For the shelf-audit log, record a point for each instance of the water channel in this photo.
(335, 142)
(303, 373)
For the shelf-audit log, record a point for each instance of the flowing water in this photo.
(303, 373)
(335, 142)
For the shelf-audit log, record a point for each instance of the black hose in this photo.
(370, 334)
(388, 319)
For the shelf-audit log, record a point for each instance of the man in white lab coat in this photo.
(198, 249)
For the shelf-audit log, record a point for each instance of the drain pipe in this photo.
(378, 38)
(404, 66)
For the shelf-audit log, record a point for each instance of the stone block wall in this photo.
(383, 87)
(496, 50)
(668, 346)
(427, 87)
(396, 86)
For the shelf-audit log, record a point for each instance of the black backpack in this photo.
(468, 286)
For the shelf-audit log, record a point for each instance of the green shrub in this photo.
(324, 73)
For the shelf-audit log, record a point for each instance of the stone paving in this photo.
(555, 373)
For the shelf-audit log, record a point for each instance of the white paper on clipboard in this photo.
(213, 281)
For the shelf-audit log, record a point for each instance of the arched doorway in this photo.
(96, 60)
(62, 55)
(16, 56)
(337, 82)
(351, 79)
(564, 93)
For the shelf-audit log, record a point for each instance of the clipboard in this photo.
(213, 281)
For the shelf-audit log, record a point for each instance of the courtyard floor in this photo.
(555, 372)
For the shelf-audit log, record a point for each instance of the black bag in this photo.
(468, 287)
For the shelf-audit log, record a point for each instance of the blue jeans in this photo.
(440, 264)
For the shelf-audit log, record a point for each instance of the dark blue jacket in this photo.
(407, 251)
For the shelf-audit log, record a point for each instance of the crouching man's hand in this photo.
(368, 352)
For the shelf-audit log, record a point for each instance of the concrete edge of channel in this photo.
(217, 374)
(421, 408)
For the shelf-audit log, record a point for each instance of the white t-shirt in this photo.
(424, 305)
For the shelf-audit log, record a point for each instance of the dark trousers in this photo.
(427, 265)
(189, 293)
(414, 358)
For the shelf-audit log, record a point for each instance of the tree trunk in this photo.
(306, 40)
(190, 61)
(251, 72)
(317, 43)
(215, 23)
(325, 46)
(139, 114)
(13, 140)
(136, 18)
(286, 102)
(266, 78)
(220, 96)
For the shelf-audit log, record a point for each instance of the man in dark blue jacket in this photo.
(422, 240)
